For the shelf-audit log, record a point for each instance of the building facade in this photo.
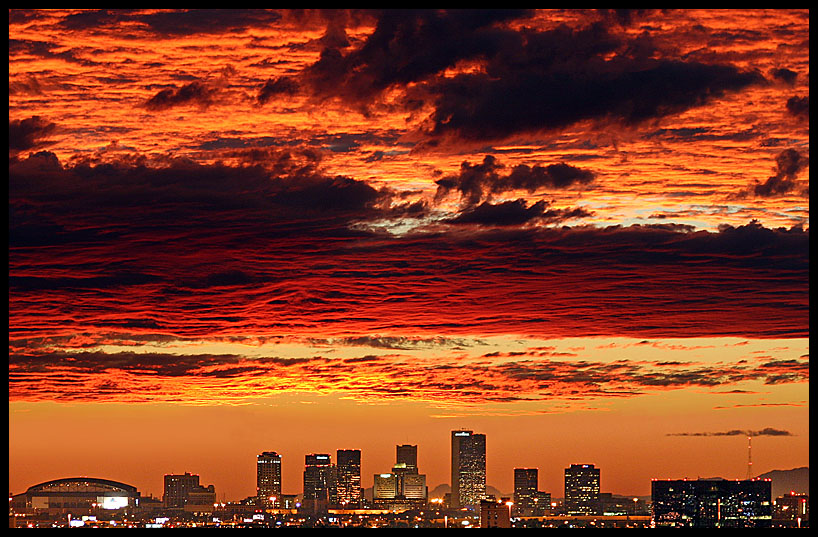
(349, 490)
(712, 503)
(407, 454)
(526, 484)
(319, 483)
(582, 490)
(183, 491)
(268, 478)
(77, 496)
(468, 469)
(791, 510)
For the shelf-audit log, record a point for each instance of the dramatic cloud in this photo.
(477, 182)
(788, 165)
(798, 106)
(172, 23)
(142, 377)
(197, 93)
(29, 133)
(275, 87)
(767, 431)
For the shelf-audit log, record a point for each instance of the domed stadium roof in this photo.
(81, 485)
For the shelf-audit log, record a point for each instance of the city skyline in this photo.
(581, 233)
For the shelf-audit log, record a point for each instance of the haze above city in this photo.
(583, 233)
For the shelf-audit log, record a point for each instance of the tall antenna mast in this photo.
(749, 457)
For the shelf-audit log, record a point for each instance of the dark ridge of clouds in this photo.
(767, 431)
(220, 244)
(477, 182)
(79, 375)
(531, 81)
(408, 46)
(481, 107)
(789, 164)
(275, 87)
(798, 106)
(174, 23)
(785, 75)
(28, 86)
(198, 93)
(28, 133)
(512, 213)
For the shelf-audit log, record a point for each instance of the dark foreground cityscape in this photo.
(333, 497)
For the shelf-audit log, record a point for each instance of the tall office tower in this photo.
(319, 482)
(526, 483)
(349, 476)
(582, 489)
(268, 477)
(185, 490)
(468, 468)
(408, 455)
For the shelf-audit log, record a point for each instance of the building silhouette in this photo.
(712, 503)
(348, 487)
(268, 478)
(526, 483)
(468, 468)
(77, 496)
(319, 483)
(582, 490)
(407, 454)
(183, 491)
(404, 486)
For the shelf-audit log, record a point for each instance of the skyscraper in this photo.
(349, 476)
(319, 482)
(582, 489)
(526, 483)
(468, 468)
(268, 477)
(408, 455)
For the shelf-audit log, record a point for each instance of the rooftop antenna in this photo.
(749, 457)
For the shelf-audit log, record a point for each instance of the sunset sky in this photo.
(582, 233)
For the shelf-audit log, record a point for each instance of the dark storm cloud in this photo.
(785, 75)
(29, 86)
(789, 164)
(798, 106)
(476, 182)
(198, 93)
(767, 431)
(275, 87)
(29, 133)
(174, 23)
(514, 213)
(407, 46)
(531, 80)
(484, 107)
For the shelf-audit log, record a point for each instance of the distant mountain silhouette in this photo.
(784, 481)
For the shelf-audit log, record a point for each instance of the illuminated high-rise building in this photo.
(319, 482)
(582, 489)
(268, 477)
(468, 468)
(348, 486)
(526, 483)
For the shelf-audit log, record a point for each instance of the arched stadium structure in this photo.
(76, 495)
